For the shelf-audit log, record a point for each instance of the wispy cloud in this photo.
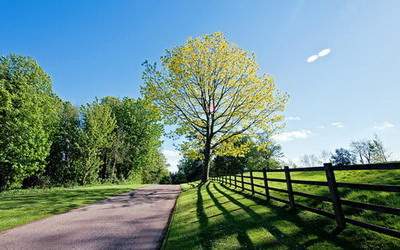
(173, 158)
(384, 125)
(320, 54)
(338, 124)
(293, 118)
(292, 135)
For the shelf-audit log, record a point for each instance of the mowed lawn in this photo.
(215, 216)
(19, 207)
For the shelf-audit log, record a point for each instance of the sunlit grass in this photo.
(215, 216)
(18, 207)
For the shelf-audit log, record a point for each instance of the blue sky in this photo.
(95, 48)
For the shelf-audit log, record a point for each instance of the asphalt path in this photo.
(135, 220)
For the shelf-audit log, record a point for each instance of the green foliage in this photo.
(62, 167)
(45, 141)
(213, 93)
(99, 124)
(136, 142)
(28, 118)
(188, 170)
(260, 154)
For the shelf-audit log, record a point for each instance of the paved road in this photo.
(135, 220)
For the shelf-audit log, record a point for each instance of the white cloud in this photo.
(292, 135)
(312, 58)
(320, 54)
(173, 158)
(293, 118)
(321, 126)
(338, 124)
(384, 125)
(324, 52)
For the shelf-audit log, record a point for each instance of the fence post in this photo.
(252, 182)
(266, 184)
(289, 187)
(235, 181)
(241, 175)
(337, 204)
(230, 180)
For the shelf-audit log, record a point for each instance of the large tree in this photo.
(28, 117)
(212, 92)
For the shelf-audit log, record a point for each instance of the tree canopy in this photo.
(28, 116)
(47, 141)
(211, 90)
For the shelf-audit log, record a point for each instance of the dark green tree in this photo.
(342, 156)
(62, 163)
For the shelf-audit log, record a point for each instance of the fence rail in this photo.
(334, 196)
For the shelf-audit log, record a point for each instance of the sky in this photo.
(339, 61)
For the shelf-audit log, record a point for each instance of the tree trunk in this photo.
(206, 162)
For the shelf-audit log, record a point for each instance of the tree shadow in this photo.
(242, 236)
(202, 217)
(310, 228)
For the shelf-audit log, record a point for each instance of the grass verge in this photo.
(19, 207)
(214, 216)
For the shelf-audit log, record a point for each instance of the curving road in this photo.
(136, 220)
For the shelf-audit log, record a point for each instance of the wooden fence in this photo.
(238, 181)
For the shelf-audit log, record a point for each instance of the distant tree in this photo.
(362, 150)
(188, 170)
(28, 117)
(311, 160)
(64, 152)
(97, 136)
(343, 156)
(370, 151)
(136, 141)
(157, 171)
(325, 156)
(260, 154)
(211, 90)
(380, 154)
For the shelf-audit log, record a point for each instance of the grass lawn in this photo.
(19, 207)
(214, 216)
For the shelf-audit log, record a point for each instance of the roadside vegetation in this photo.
(215, 216)
(19, 207)
(46, 141)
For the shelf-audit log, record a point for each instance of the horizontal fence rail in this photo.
(238, 181)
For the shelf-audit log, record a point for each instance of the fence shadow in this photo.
(308, 228)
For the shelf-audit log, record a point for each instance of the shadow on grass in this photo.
(235, 218)
(18, 208)
(242, 237)
(309, 229)
(203, 219)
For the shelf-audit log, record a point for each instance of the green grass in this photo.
(19, 207)
(214, 216)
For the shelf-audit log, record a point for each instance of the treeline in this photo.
(45, 141)
(365, 151)
(259, 154)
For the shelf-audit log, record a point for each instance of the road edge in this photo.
(166, 230)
